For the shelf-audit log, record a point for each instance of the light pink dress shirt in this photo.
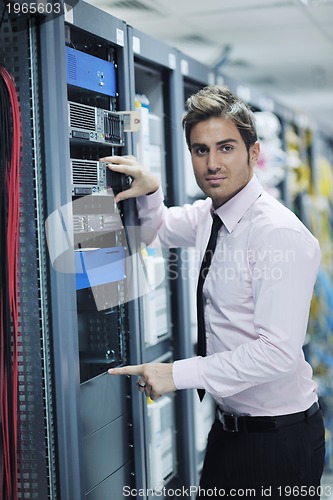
(257, 298)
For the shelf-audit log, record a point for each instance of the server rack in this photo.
(75, 426)
(154, 87)
(318, 217)
(106, 446)
(38, 473)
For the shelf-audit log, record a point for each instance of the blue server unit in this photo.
(90, 72)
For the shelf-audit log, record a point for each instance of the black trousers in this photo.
(284, 463)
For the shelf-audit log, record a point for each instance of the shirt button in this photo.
(208, 301)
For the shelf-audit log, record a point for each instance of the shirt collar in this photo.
(234, 209)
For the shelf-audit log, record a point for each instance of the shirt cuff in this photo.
(185, 373)
(150, 200)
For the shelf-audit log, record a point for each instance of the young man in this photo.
(268, 436)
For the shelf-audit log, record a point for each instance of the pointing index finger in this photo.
(126, 370)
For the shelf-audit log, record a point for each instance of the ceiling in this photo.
(283, 48)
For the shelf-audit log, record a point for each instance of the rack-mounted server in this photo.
(89, 72)
(93, 177)
(96, 125)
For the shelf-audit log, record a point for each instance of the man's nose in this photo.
(213, 161)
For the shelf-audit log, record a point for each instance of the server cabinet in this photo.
(155, 95)
(153, 65)
(95, 64)
(37, 472)
(75, 425)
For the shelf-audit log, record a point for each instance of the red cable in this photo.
(4, 411)
(12, 185)
(15, 209)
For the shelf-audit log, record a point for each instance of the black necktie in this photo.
(205, 265)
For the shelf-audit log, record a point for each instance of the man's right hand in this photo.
(144, 182)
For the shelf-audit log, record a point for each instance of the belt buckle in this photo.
(223, 419)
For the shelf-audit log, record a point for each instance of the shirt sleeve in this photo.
(282, 285)
(175, 226)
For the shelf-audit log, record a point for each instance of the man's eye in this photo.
(227, 148)
(200, 151)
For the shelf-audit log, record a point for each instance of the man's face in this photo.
(221, 163)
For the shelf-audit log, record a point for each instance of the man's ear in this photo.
(254, 152)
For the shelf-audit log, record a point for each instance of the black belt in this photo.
(235, 423)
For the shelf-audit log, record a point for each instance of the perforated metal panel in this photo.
(36, 454)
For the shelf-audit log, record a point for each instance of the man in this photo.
(268, 435)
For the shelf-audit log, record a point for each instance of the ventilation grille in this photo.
(71, 67)
(82, 117)
(85, 172)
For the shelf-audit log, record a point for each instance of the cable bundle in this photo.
(10, 151)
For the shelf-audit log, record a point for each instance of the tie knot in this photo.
(217, 223)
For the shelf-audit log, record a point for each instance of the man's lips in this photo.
(212, 178)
